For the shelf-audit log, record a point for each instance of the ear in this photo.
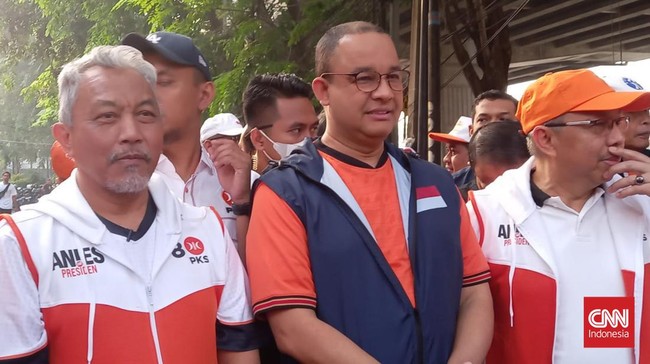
(206, 95)
(257, 139)
(471, 129)
(61, 133)
(545, 140)
(321, 90)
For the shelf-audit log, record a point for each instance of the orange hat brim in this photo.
(446, 138)
(626, 101)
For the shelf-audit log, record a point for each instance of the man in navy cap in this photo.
(218, 175)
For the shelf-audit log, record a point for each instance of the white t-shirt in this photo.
(6, 202)
(585, 256)
(202, 189)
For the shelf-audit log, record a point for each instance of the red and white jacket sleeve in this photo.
(22, 331)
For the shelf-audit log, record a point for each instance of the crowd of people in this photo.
(181, 241)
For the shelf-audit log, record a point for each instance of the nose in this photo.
(616, 137)
(307, 133)
(130, 129)
(383, 91)
(447, 158)
(646, 118)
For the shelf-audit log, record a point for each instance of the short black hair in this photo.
(330, 40)
(263, 91)
(492, 95)
(6, 172)
(500, 143)
(261, 94)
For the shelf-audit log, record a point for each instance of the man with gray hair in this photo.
(111, 267)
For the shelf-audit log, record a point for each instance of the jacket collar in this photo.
(308, 161)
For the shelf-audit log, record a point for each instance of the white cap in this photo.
(459, 134)
(622, 83)
(221, 124)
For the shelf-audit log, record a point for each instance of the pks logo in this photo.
(226, 198)
(609, 322)
(74, 263)
(195, 247)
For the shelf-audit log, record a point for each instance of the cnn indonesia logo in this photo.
(609, 322)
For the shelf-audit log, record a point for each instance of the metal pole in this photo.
(434, 72)
(422, 137)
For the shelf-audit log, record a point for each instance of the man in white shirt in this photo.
(566, 241)
(111, 267)
(184, 90)
(8, 195)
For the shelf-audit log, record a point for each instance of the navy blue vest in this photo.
(357, 291)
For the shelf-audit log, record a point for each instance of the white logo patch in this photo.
(202, 61)
(153, 38)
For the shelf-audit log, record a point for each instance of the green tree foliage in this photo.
(240, 38)
(248, 37)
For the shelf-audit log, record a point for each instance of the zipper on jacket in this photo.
(419, 336)
(152, 323)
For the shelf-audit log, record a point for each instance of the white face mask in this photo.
(283, 149)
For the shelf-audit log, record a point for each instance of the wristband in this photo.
(242, 209)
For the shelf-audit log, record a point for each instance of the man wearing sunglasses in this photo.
(363, 254)
(565, 239)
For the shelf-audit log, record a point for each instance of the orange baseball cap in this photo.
(62, 164)
(558, 93)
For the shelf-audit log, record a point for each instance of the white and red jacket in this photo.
(523, 271)
(62, 286)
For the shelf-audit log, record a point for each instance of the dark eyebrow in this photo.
(298, 124)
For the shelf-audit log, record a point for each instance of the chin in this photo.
(129, 185)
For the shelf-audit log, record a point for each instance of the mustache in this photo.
(130, 154)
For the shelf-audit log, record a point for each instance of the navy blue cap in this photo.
(173, 47)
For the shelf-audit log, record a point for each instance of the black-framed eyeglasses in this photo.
(620, 123)
(368, 81)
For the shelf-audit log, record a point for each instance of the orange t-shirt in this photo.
(277, 250)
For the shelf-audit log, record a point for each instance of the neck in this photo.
(569, 189)
(126, 210)
(185, 155)
(369, 154)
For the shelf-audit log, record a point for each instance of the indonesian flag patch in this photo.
(428, 198)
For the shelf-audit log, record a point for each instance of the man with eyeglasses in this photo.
(565, 238)
(638, 131)
(363, 254)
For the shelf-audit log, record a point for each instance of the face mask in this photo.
(283, 149)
